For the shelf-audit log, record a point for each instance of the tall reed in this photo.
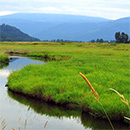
(97, 99)
(45, 124)
(25, 123)
(74, 128)
(123, 100)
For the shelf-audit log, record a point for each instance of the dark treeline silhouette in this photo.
(122, 37)
(99, 41)
(61, 40)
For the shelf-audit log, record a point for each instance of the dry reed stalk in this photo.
(127, 118)
(3, 122)
(45, 124)
(74, 128)
(4, 127)
(19, 118)
(126, 102)
(123, 99)
(19, 128)
(13, 129)
(92, 89)
(25, 123)
(117, 93)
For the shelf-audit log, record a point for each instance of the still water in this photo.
(22, 113)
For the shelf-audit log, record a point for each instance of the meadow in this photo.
(106, 65)
(4, 60)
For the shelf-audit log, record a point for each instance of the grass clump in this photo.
(49, 86)
(4, 59)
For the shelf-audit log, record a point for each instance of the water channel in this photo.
(22, 113)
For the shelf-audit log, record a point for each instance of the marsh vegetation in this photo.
(105, 65)
(4, 60)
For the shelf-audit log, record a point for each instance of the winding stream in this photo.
(22, 113)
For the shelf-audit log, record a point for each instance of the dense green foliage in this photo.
(105, 65)
(3, 59)
(122, 38)
(9, 33)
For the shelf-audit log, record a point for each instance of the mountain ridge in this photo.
(10, 33)
(49, 17)
(67, 27)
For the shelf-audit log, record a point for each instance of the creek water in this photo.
(20, 112)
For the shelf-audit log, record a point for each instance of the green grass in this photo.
(3, 59)
(105, 65)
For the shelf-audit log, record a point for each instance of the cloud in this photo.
(101, 8)
(7, 12)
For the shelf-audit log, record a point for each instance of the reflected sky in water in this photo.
(4, 73)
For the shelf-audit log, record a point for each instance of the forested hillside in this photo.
(10, 33)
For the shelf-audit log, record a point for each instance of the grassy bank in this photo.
(105, 65)
(3, 59)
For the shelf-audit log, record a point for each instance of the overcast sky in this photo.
(112, 9)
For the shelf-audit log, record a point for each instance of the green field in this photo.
(4, 60)
(106, 65)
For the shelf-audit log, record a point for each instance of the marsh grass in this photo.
(4, 59)
(123, 100)
(25, 124)
(4, 124)
(127, 118)
(97, 99)
(45, 124)
(106, 65)
(74, 127)
(19, 118)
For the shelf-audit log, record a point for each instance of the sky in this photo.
(111, 9)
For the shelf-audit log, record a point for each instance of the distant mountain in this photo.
(54, 18)
(9, 33)
(69, 27)
(86, 31)
(33, 23)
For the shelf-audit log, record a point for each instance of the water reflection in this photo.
(17, 63)
(4, 73)
(3, 65)
(52, 110)
(44, 108)
(98, 124)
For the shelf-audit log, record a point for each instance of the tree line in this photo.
(122, 37)
(119, 38)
